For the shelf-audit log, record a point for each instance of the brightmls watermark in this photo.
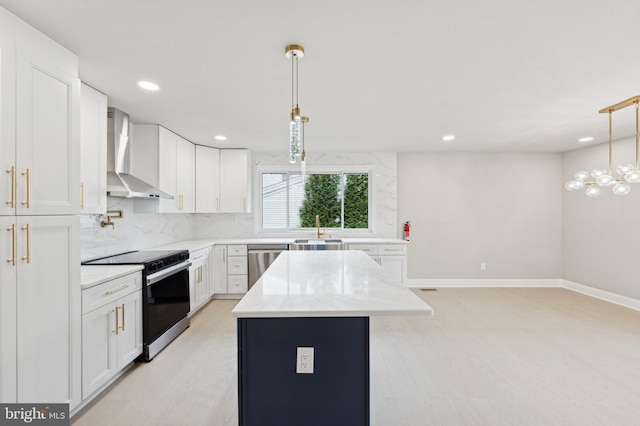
(34, 414)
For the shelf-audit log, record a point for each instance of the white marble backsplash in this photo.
(140, 229)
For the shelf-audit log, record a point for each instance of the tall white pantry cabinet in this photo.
(40, 356)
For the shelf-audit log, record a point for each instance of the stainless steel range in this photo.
(165, 287)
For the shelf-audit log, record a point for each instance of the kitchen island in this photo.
(320, 300)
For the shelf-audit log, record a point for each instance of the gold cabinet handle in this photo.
(117, 327)
(217, 203)
(117, 289)
(244, 204)
(12, 201)
(27, 174)
(122, 307)
(393, 249)
(82, 195)
(224, 255)
(12, 260)
(28, 256)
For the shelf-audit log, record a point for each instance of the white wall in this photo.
(503, 209)
(601, 236)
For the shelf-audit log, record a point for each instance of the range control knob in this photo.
(184, 256)
(160, 264)
(153, 267)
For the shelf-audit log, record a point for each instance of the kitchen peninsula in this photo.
(320, 302)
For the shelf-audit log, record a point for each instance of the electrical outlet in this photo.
(483, 266)
(304, 360)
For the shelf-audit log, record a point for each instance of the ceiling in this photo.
(501, 75)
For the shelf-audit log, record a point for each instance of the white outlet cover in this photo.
(304, 360)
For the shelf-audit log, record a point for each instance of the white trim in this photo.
(618, 299)
(482, 282)
(607, 296)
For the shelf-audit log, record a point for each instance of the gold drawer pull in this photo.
(12, 201)
(12, 260)
(122, 307)
(28, 256)
(117, 289)
(27, 174)
(117, 327)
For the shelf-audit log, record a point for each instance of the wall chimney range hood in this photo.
(120, 182)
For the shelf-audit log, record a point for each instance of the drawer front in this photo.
(392, 249)
(237, 265)
(370, 249)
(199, 255)
(238, 284)
(102, 294)
(237, 249)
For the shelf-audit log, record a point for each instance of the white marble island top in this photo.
(328, 284)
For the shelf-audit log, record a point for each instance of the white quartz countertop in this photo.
(196, 244)
(328, 284)
(92, 275)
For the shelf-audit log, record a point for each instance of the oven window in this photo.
(167, 303)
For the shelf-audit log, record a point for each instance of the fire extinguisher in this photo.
(407, 231)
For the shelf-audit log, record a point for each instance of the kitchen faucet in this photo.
(319, 234)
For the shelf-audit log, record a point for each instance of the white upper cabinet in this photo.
(7, 128)
(93, 151)
(48, 137)
(39, 131)
(185, 175)
(207, 179)
(166, 160)
(235, 181)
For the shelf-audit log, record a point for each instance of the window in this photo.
(339, 199)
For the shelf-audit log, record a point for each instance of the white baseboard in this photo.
(625, 301)
(482, 282)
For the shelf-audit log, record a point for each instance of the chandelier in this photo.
(626, 173)
(294, 53)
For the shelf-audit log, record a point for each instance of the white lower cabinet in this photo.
(40, 309)
(111, 329)
(230, 270)
(392, 257)
(199, 279)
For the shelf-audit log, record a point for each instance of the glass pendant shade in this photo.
(592, 191)
(621, 188)
(582, 175)
(623, 169)
(595, 173)
(605, 180)
(633, 176)
(574, 184)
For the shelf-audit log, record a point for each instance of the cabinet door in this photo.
(48, 309)
(8, 287)
(129, 335)
(93, 151)
(167, 170)
(207, 179)
(98, 348)
(48, 138)
(193, 273)
(185, 175)
(219, 269)
(395, 266)
(235, 170)
(7, 128)
(204, 285)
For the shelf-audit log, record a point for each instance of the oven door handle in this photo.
(158, 276)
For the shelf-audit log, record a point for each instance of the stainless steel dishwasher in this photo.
(260, 257)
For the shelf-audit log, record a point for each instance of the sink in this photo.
(317, 244)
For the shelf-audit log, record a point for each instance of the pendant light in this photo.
(627, 173)
(294, 53)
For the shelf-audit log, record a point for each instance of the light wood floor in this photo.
(489, 356)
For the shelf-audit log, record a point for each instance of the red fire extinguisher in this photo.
(407, 231)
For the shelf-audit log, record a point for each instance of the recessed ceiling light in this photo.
(585, 139)
(220, 137)
(448, 138)
(147, 85)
